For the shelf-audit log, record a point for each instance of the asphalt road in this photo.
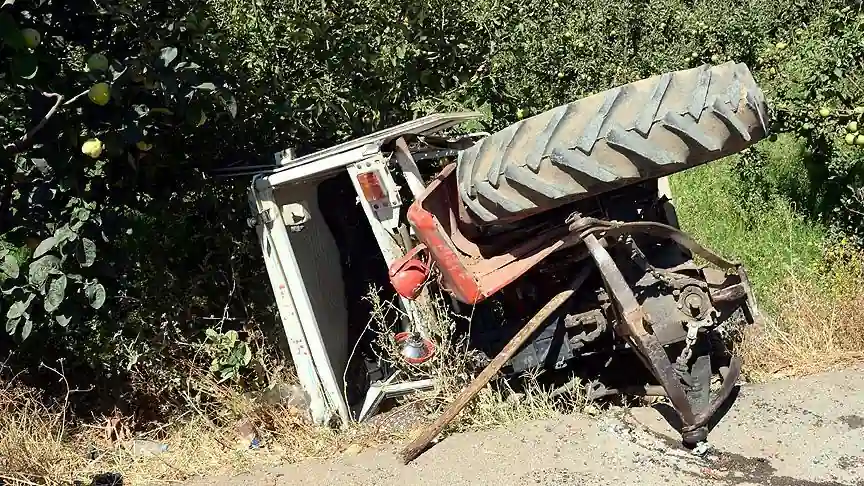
(802, 432)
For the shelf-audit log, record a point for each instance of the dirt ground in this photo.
(790, 433)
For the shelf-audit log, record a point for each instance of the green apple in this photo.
(32, 38)
(100, 94)
(92, 147)
(97, 62)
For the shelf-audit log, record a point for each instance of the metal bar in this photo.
(339, 156)
(641, 391)
(636, 329)
(722, 395)
(409, 167)
(418, 445)
(729, 294)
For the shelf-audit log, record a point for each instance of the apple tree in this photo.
(97, 102)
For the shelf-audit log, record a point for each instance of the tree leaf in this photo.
(10, 33)
(86, 252)
(235, 357)
(206, 86)
(56, 293)
(167, 55)
(12, 325)
(81, 214)
(9, 266)
(41, 164)
(19, 308)
(230, 104)
(96, 295)
(231, 337)
(42, 268)
(63, 320)
(45, 246)
(25, 66)
(226, 373)
(65, 233)
(26, 329)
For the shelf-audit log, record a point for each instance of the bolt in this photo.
(694, 303)
(676, 293)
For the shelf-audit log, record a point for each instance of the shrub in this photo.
(113, 245)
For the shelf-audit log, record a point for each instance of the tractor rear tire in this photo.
(642, 130)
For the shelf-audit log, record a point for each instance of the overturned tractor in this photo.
(555, 234)
(560, 216)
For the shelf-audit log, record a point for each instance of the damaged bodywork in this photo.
(557, 231)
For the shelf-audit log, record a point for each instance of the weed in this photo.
(770, 238)
(37, 446)
(814, 330)
(811, 285)
(453, 367)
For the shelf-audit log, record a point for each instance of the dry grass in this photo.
(30, 449)
(454, 365)
(37, 446)
(818, 324)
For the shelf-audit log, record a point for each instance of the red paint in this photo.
(470, 278)
(409, 273)
(455, 277)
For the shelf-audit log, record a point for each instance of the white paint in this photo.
(315, 324)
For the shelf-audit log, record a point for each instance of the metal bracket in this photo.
(387, 389)
(387, 209)
(265, 217)
(295, 215)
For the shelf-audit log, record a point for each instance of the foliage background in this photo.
(211, 83)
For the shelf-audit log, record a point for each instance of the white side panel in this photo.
(300, 354)
(303, 304)
(321, 269)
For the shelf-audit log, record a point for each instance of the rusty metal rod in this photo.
(639, 391)
(729, 382)
(418, 445)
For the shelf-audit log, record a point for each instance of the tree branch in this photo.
(22, 143)
(26, 140)
(76, 97)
